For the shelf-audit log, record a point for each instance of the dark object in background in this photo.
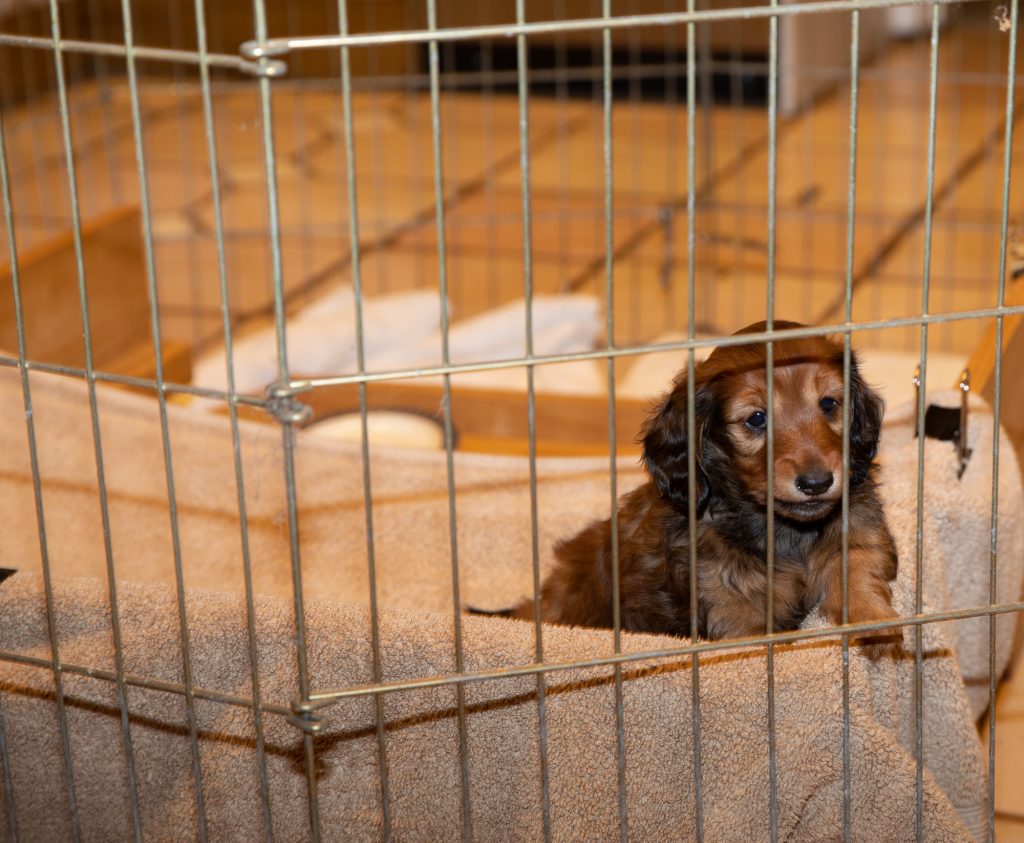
(649, 74)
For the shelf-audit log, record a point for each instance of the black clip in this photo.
(948, 424)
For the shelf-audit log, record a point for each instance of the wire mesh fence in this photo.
(262, 193)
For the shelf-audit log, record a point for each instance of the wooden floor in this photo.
(482, 189)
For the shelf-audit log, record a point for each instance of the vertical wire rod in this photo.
(609, 243)
(31, 432)
(287, 428)
(154, 316)
(357, 285)
(531, 416)
(996, 407)
(51, 620)
(851, 200)
(773, 106)
(243, 519)
(31, 82)
(115, 615)
(184, 169)
(101, 71)
(5, 769)
(460, 695)
(691, 421)
(921, 400)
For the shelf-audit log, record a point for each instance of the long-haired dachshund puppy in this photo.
(732, 502)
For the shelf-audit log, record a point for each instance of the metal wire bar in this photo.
(322, 698)
(287, 427)
(851, 204)
(128, 380)
(773, 111)
(455, 79)
(54, 662)
(561, 76)
(31, 82)
(154, 316)
(488, 82)
(707, 98)
(299, 130)
(281, 46)
(304, 385)
(691, 412)
(94, 48)
(996, 408)
(5, 769)
(673, 171)
(357, 286)
(921, 398)
(449, 436)
(945, 293)
(243, 517)
(185, 165)
(115, 619)
(609, 268)
(301, 385)
(738, 102)
(633, 174)
(102, 74)
(531, 415)
(145, 682)
(995, 78)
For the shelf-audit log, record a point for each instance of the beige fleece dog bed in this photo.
(413, 560)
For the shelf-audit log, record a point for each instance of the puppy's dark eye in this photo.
(828, 405)
(758, 420)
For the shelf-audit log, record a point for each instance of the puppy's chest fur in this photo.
(732, 578)
(654, 566)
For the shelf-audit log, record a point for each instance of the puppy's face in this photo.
(808, 429)
(731, 435)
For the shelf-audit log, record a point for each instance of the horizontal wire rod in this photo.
(144, 682)
(323, 698)
(100, 48)
(776, 638)
(131, 380)
(304, 385)
(281, 46)
(301, 385)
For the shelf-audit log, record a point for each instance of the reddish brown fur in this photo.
(731, 484)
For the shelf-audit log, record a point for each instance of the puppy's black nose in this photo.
(814, 482)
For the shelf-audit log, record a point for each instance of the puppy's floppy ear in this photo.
(866, 408)
(666, 446)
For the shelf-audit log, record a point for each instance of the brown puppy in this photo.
(732, 501)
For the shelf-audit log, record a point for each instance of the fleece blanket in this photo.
(413, 552)
(403, 330)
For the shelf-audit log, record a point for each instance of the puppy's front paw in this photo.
(880, 642)
(876, 645)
